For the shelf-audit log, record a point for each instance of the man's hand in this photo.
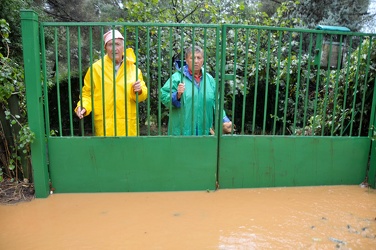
(227, 127)
(80, 112)
(137, 87)
(181, 89)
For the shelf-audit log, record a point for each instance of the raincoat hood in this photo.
(179, 64)
(130, 55)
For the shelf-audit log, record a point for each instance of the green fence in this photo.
(302, 103)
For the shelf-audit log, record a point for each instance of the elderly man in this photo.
(188, 86)
(113, 115)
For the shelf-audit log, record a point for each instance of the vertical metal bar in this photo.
(277, 83)
(69, 83)
(218, 86)
(148, 75)
(308, 81)
(317, 89)
(245, 80)
(114, 78)
(235, 72)
(220, 43)
(298, 83)
(31, 55)
(159, 82)
(58, 83)
(256, 80)
(355, 92)
(137, 106)
(339, 58)
(182, 112)
(91, 80)
(80, 72)
(223, 81)
(103, 89)
(372, 136)
(328, 71)
(205, 57)
(365, 85)
(287, 85)
(372, 127)
(125, 84)
(170, 73)
(193, 125)
(45, 85)
(346, 86)
(266, 86)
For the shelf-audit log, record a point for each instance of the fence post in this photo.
(31, 56)
(372, 164)
(372, 135)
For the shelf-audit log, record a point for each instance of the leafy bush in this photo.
(14, 131)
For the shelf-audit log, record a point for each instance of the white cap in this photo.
(108, 36)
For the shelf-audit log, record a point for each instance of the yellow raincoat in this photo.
(105, 111)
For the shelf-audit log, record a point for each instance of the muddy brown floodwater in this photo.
(325, 217)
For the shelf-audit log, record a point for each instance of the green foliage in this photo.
(25, 135)
(16, 135)
(4, 26)
(11, 77)
(20, 148)
(10, 11)
(355, 87)
(291, 80)
(9, 69)
(351, 14)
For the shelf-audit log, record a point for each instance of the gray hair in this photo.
(197, 49)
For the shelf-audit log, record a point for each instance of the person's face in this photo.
(198, 61)
(119, 49)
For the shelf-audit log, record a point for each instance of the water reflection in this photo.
(237, 240)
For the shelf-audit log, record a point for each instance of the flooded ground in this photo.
(330, 217)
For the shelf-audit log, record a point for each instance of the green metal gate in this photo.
(311, 140)
(300, 118)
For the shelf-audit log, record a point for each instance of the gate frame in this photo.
(224, 154)
(34, 98)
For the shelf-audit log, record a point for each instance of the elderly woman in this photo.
(113, 116)
(192, 86)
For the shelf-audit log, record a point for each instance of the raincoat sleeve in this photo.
(144, 93)
(86, 94)
(130, 64)
(169, 90)
(224, 117)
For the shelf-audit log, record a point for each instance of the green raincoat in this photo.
(194, 114)
(109, 110)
